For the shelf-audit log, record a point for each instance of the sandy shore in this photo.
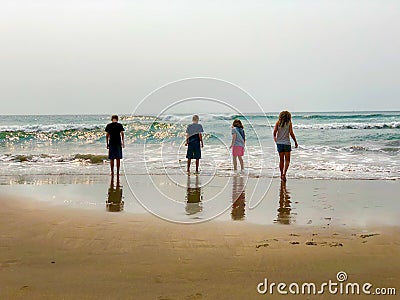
(52, 252)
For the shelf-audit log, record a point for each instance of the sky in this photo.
(79, 57)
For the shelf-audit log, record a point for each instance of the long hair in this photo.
(284, 118)
(237, 123)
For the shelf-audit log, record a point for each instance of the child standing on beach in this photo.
(194, 142)
(115, 142)
(282, 132)
(237, 145)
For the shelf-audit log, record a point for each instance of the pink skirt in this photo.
(237, 151)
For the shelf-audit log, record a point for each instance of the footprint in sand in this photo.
(363, 236)
(311, 244)
(262, 245)
(335, 244)
(331, 244)
(295, 243)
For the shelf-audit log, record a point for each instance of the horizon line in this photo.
(189, 113)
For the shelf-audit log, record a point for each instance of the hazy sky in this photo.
(105, 56)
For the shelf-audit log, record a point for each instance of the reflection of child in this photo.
(238, 198)
(114, 201)
(194, 141)
(238, 142)
(193, 197)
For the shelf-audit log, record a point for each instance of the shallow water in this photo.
(361, 145)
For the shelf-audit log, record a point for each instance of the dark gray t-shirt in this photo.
(114, 129)
(193, 131)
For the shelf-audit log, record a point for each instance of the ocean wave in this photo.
(53, 158)
(172, 125)
(353, 162)
(307, 116)
(49, 128)
(377, 125)
(349, 149)
(395, 143)
(347, 116)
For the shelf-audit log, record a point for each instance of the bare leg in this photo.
(287, 162)
(234, 163)
(281, 162)
(118, 165)
(197, 165)
(112, 167)
(188, 165)
(241, 162)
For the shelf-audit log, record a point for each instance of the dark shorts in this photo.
(193, 150)
(115, 152)
(283, 148)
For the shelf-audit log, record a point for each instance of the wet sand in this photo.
(59, 252)
(343, 203)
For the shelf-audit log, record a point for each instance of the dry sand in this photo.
(51, 252)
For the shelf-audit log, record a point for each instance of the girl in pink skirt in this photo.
(237, 145)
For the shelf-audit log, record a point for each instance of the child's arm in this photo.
(292, 135)
(275, 131)
(201, 140)
(107, 139)
(187, 139)
(233, 140)
(123, 139)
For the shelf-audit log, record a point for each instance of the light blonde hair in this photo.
(285, 117)
(195, 118)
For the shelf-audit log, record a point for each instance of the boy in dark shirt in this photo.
(115, 142)
(194, 140)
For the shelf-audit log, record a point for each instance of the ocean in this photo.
(334, 145)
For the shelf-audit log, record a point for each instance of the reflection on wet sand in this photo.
(193, 196)
(284, 216)
(114, 201)
(238, 198)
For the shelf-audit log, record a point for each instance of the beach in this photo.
(70, 232)
(120, 130)
(62, 250)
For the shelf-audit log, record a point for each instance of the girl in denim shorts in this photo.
(282, 132)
